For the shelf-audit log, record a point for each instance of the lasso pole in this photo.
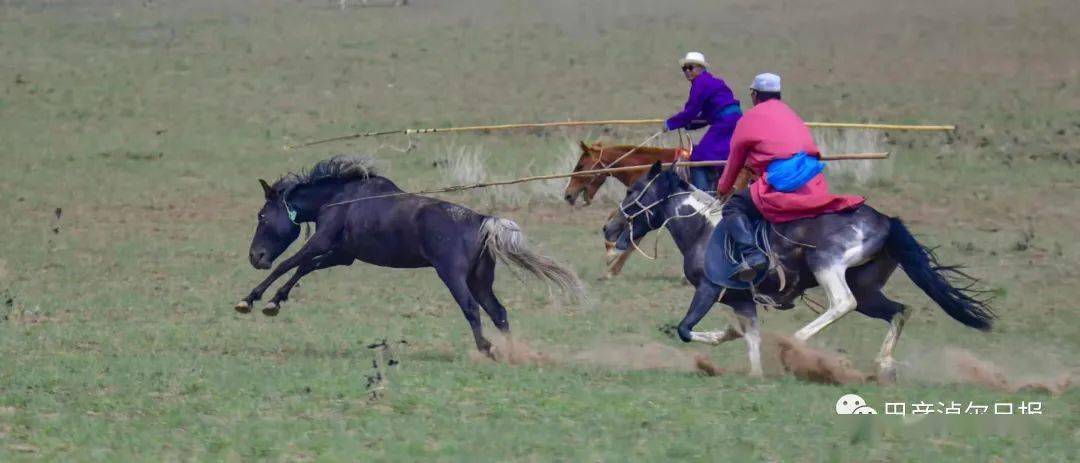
(610, 170)
(473, 128)
(853, 125)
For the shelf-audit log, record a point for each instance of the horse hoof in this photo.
(271, 309)
(684, 334)
(242, 307)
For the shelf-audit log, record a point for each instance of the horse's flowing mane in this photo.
(339, 167)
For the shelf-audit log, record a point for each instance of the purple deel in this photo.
(711, 103)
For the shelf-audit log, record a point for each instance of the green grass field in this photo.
(131, 138)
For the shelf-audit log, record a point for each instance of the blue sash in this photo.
(728, 110)
(790, 174)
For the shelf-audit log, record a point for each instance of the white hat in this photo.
(694, 57)
(767, 82)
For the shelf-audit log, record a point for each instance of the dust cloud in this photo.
(614, 355)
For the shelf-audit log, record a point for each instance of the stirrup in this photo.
(747, 272)
(743, 273)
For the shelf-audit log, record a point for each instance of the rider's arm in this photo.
(692, 108)
(697, 124)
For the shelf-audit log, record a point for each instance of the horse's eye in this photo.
(262, 217)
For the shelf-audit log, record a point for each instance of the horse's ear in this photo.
(267, 190)
(674, 164)
(655, 170)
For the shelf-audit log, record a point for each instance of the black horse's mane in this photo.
(340, 167)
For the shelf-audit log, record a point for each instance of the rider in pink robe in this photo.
(768, 132)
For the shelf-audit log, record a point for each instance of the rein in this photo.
(761, 232)
(647, 210)
(600, 159)
(456, 188)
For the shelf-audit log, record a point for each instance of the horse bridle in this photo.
(647, 210)
(599, 162)
(288, 209)
(600, 157)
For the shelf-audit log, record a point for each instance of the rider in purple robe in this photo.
(711, 103)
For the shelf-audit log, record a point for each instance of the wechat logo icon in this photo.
(852, 404)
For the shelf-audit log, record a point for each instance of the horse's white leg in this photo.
(748, 328)
(716, 337)
(886, 364)
(753, 344)
(841, 301)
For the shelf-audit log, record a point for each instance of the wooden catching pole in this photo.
(910, 128)
(473, 128)
(610, 170)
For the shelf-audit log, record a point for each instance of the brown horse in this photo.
(599, 156)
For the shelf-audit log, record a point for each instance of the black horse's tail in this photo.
(920, 264)
(504, 239)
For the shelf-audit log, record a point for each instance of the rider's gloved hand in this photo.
(722, 195)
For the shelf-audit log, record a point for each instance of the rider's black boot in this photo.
(753, 260)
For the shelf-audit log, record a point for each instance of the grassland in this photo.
(131, 137)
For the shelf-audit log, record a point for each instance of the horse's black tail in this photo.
(504, 239)
(920, 264)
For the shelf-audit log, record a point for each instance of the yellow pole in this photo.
(842, 125)
(609, 170)
(850, 125)
(471, 128)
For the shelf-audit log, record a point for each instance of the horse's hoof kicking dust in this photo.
(242, 307)
(271, 309)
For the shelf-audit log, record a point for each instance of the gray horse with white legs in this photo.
(850, 254)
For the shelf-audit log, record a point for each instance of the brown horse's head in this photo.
(585, 185)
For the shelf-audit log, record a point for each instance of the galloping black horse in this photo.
(852, 254)
(390, 229)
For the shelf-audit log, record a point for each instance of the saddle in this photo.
(721, 257)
